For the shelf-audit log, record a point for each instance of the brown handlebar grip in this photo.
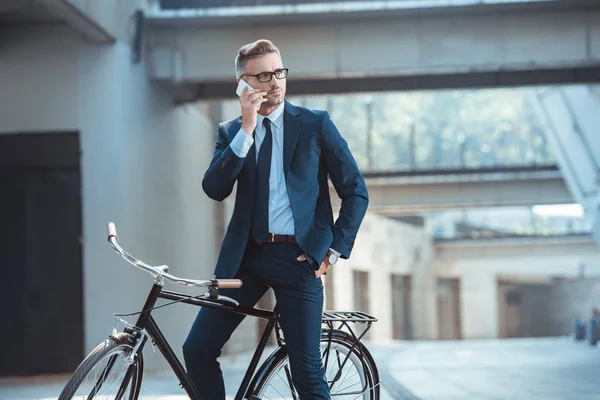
(111, 230)
(229, 283)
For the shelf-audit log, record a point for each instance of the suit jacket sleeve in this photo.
(223, 170)
(349, 185)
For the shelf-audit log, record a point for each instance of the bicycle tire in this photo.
(119, 344)
(268, 370)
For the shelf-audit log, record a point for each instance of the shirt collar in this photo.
(276, 116)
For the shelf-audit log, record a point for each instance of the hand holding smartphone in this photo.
(240, 87)
(249, 113)
(241, 84)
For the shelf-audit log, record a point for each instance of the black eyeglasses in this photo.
(267, 76)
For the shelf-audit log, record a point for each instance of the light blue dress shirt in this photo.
(281, 218)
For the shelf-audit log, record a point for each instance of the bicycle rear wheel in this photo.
(349, 369)
(108, 372)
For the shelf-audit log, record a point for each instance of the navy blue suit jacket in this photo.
(313, 150)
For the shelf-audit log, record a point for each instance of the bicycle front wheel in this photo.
(349, 369)
(108, 372)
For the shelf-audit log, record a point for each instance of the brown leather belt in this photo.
(276, 238)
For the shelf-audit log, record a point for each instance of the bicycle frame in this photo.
(147, 322)
(146, 326)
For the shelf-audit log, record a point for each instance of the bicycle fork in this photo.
(140, 336)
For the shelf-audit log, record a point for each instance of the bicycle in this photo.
(114, 369)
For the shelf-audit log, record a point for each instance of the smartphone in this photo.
(241, 84)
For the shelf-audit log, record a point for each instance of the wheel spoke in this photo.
(346, 375)
(275, 388)
(353, 375)
(284, 382)
(348, 387)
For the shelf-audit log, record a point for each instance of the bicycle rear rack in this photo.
(330, 318)
(347, 316)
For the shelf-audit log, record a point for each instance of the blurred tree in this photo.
(438, 129)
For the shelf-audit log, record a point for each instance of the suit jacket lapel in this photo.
(291, 132)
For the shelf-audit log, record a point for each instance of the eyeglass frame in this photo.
(272, 73)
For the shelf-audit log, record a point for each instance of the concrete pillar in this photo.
(380, 288)
(424, 301)
(343, 287)
(479, 304)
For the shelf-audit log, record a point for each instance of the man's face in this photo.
(276, 87)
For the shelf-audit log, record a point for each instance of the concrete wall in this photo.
(480, 265)
(39, 69)
(142, 162)
(111, 15)
(536, 310)
(572, 298)
(547, 308)
(385, 247)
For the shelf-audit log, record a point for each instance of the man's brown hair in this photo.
(253, 50)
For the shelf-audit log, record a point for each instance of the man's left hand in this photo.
(325, 265)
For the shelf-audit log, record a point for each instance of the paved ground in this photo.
(548, 369)
(463, 370)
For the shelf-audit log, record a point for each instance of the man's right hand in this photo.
(250, 101)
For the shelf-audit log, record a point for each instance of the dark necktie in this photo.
(260, 217)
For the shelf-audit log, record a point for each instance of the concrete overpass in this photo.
(421, 191)
(474, 44)
(573, 245)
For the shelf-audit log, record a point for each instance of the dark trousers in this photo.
(299, 295)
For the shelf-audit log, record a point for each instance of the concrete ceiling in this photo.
(26, 12)
(179, 4)
(32, 13)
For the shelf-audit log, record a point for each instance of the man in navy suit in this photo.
(281, 234)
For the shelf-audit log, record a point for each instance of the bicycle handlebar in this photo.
(161, 270)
